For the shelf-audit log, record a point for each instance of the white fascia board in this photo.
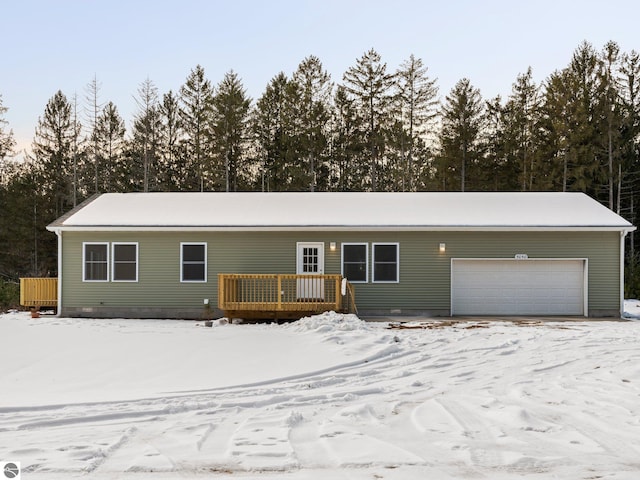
(339, 228)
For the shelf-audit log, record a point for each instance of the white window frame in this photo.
(84, 262)
(373, 262)
(113, 261)
(366, 260)
(182, 244)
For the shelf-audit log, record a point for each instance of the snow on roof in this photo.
(437, 210)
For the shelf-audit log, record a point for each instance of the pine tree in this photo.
(109, 137)
(276, 131)
(25, 248)
(7, 142)
(79, 190)
(557, 124)
(230, 124)
(629, 179)
(369, 85)
(585, 109)
(500, 171)
(418, 101)
(462, 116)
(10, 246)
(523, 110)
(146, 131)
(173, 168)
(92, 112)
(196, 96)
(347, 144)
(52, 148)
(629, 83)
(50, 176)
(612, 111)
(314, 85)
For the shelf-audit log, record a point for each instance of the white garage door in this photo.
(517, 287)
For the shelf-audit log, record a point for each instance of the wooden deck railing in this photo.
(281, 295)
(39, 292)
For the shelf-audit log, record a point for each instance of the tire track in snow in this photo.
(95, 412)
(205, 436)
(261, 442)
(482, 443)
(380, 357)
(351, 446)
(105, 454)
(76, 414)
(310, 449)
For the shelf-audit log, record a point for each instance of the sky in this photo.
(64, 44)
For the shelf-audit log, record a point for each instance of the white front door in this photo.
(310, 261)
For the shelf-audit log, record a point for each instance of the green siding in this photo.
(424, 271)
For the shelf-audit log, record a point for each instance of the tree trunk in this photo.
(524, 171)
(610, 151)
(464, 167)
(145, 165)
(312, 173)
(564, 173)
(619, 199)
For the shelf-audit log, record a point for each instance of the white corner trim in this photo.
(59, 309)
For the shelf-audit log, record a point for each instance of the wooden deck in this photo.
(282, 296)
(39, 292)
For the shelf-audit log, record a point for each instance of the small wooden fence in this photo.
(283, 295)
(39, 292)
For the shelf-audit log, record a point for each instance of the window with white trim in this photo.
(124, 267)
(386, 262)
(355, 263)
(95, 262)
(193, 262)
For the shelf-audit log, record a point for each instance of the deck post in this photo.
(279, 292)
(221, 301)
(338, 294)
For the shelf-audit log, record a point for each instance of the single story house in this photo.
(439, 254)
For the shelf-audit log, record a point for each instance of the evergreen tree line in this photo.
(376, 130)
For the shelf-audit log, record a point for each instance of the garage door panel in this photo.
(517, 287)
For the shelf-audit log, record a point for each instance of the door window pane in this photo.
(310, 260)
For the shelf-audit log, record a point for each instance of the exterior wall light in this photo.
(332, 246)
(443, 247)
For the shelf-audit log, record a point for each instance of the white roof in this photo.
(291, 211)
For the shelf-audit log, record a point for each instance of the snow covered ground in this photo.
(632, 309)
(328, 397)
